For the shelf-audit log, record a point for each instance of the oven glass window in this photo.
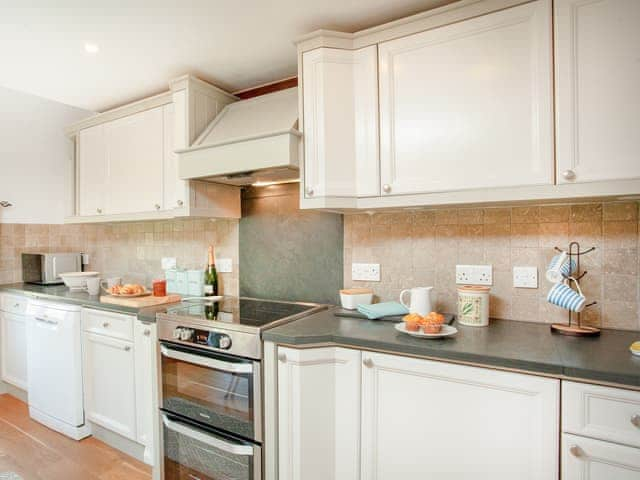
(222, 399)
(194, 457)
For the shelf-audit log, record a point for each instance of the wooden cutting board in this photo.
(140, 302)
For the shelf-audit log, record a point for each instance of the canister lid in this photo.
(474, 289)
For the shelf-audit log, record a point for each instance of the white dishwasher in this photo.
(54, 367)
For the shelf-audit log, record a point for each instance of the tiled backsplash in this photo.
(131, 250)
(422, 247)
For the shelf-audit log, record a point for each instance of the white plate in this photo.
(447, 330)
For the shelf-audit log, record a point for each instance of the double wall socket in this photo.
(525, 277)
(474, 274)
(365, 272)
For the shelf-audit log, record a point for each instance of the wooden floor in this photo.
(37, 453)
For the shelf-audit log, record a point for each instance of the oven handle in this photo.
(208, 439)
(206, 361)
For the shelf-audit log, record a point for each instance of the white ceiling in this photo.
(143, 44)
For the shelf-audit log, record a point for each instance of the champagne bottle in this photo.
(211, 276)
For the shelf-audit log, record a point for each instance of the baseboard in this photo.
(118, 442)
(14, 392)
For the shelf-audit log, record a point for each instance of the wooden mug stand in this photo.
(575, 327)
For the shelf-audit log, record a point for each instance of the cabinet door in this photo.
(135, 149)
(92, 171)
(145, 339)
(109, 386)
(175, 190)
(340, 101)
(13, 349)
(468, 105)
(588, 459)
(319, 414)
(597, 96)
(421, 418)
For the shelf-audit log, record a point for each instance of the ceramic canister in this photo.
(473, 305)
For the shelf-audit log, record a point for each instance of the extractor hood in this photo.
(254, 140)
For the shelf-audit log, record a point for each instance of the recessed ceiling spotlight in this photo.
(91, 48)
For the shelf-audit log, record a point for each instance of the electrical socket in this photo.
(525, 277)
(474, 274)
(224, 265)
(366, 272)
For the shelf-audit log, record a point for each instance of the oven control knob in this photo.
(186, 334)
(225, 342)
(177, 333)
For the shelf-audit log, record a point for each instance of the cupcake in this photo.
(432, 323)
(412, 322)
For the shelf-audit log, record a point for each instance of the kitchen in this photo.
(425, 229)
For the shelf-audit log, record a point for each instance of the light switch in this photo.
(365, 272)
(525, 277)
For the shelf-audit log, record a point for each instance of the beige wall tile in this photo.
(554, 213)
(525, 308)
(621, 261)
(525, 235)
(620, 288)
(497, 215)
(525, 215)
(620, 234)
(622, 315)
(590, 212)
(621, 211)
(470, 215)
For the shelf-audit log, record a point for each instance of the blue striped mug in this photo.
(561, 264)
(562, 295)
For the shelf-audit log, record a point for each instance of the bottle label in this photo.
(208, 289)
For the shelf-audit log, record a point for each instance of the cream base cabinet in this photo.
(468, 105)
(340, 105)
(318, 414)
(589, 459)
(145, 340)
(597, 95)
(13, 349)
(423, 419)
(109, 383)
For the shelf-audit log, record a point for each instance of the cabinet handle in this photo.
(105, 325)
(386, 188)
(127, 348)
(146, 332)
(575, 450)
(180, 203)
(282, 357)
(157, 206)
(367, 362)
(635, 420)
(16, 305)
(309, 191)
(99, 210)
(569, 175)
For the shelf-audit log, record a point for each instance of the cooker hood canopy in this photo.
(250, 141)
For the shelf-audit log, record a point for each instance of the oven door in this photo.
(196, 453)
(218, 390)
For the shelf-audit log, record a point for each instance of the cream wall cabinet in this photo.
(346, 414)
(341, 122)
(126, 168)
(319, 414)
(597, 96)
(468, 105)
(465, 106)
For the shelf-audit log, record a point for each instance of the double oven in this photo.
(211, 387)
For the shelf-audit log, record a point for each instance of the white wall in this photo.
(36, 158)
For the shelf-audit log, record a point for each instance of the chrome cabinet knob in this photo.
(157, 206)
(105, 325)
(146, 332)
(282, 357)
(98, 210)
(635, 420)
(386, 188)
(575, 450)
(569, 175)
(309, 191)
(180, 203)
(16, 305)
(127, 348)
(367, 362)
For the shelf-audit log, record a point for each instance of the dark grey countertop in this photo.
(60, 293)
(506, 344)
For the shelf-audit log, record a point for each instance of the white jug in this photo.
(421, 300)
